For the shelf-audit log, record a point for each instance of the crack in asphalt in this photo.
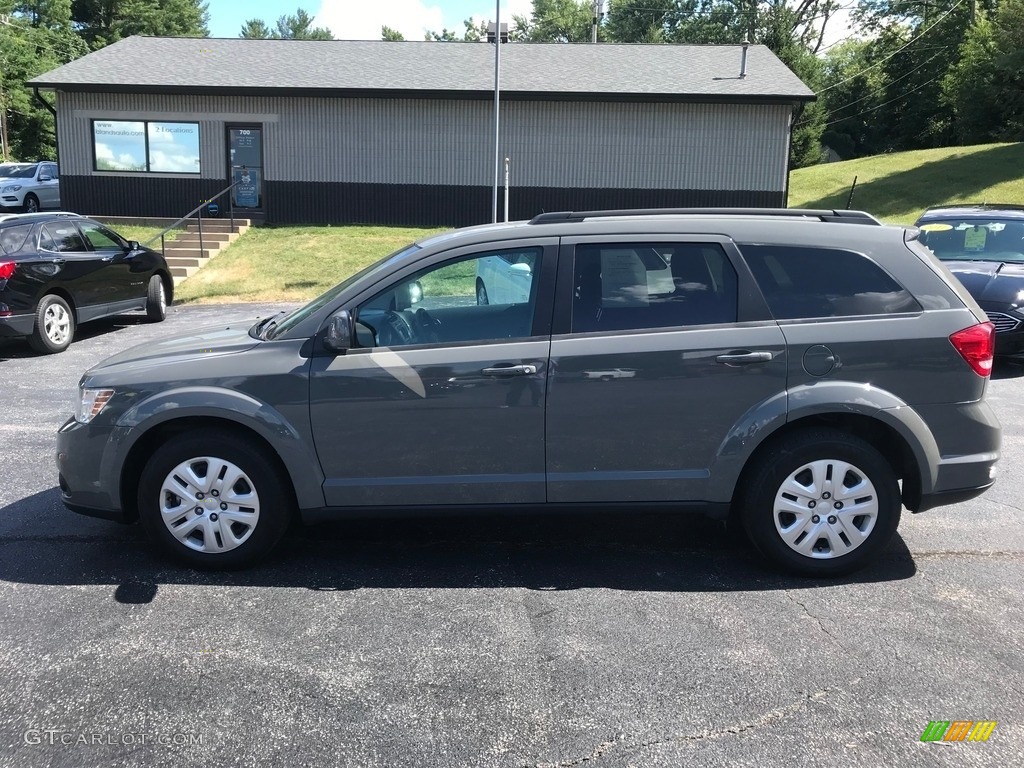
(764, 720)
(1005, 504)
(817, 619)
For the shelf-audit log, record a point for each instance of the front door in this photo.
(245, 167)
(443, 401)
(654, 362)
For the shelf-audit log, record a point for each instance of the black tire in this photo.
(156, 300)
(31, 204)
(789, 459)
(208, 544)
(54, 328)
(481, 293)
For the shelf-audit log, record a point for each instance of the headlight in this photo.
(91, 402)
(11, 188)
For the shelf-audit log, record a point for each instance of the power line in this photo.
(879, 106)
(882, 61)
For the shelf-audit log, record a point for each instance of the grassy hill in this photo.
(897, 187)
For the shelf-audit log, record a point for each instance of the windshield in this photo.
(975, 239)
(275, 329)
(18, 171)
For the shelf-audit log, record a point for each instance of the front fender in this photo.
(295, 452)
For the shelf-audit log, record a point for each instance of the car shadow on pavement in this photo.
(644, 552)
(15, 349)
(1008, 368)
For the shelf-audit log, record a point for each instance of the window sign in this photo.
(120, 146)
(173, 147)
(146, 146)
(247, 193)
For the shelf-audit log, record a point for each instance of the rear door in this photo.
(692, 349)
(76, 266)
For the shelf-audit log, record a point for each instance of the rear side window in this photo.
(801, 282)
(13, 239)
(62, 237)
(633, 286)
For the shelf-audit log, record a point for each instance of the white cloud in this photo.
(362, 20)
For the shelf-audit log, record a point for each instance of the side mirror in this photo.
(133, 246)
(46, 177)
(408, 294)
(521, 268)
(339, 332)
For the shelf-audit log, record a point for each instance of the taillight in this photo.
(977, 345)
(7, 269)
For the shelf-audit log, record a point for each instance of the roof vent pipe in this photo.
(743, 59)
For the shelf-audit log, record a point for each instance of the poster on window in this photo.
(119, 145)
(173, 147)
(247, 189)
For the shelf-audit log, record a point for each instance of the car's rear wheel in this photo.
(214, 500)
(821, 502)
(481, 293)
(156, 300)
(31, 204)
(55, 326)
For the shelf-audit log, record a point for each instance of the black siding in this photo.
(456, 206)
(300, 202)
(136, 195)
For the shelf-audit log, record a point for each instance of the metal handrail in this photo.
(198, 209)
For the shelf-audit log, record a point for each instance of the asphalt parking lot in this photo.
(503, 642)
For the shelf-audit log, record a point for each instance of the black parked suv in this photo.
(983, 245)
(807, 372)
(58, 270)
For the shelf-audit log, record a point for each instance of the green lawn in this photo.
(899, 186)
(292, 263)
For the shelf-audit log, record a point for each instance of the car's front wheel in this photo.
(31, 204)
(156, 300)
(54, 327)
(214, 500)
(821, 502)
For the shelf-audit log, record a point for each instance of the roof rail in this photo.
(38, 215)
(1005, 206)
(847, 217)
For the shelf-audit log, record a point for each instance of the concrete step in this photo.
(180, 273)
(208, 237)
(191, 253)
(184, 261)
(216, 225)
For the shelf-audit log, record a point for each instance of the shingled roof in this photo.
(360, 67)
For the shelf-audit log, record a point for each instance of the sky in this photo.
(362, 19)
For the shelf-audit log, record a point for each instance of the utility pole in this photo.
(497, 110)
(598, 10)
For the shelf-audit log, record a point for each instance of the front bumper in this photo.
(88, 475)
(11, 204)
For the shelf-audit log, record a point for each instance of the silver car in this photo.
(29, 187)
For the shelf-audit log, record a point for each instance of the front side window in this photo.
(101, 238)
(62, 237)
(484, 297)
(803, 282)
(145, 146)
(627, 286)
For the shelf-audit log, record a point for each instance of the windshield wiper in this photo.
(263, 328)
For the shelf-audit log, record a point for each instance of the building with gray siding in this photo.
(402, 133)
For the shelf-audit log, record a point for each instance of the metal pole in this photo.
(497, 108)
(506, 189)
(596, 10)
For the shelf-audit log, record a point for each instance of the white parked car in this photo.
(29, 187)
(505, 278)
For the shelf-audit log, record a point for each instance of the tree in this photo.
(474, 32)
(556, 21)
(298, 26)
(36, 38)
(391, 35)
(101, 22)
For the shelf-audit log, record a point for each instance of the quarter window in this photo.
(801, 282)
(13, 239)
(626, 286)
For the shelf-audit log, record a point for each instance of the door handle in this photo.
(510, 370)
(745, 358)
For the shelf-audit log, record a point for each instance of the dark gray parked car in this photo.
(809, 372)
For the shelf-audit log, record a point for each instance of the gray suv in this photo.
(805, 373)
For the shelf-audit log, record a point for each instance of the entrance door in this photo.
(245, 166)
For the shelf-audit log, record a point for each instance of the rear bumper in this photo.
(15, 326)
